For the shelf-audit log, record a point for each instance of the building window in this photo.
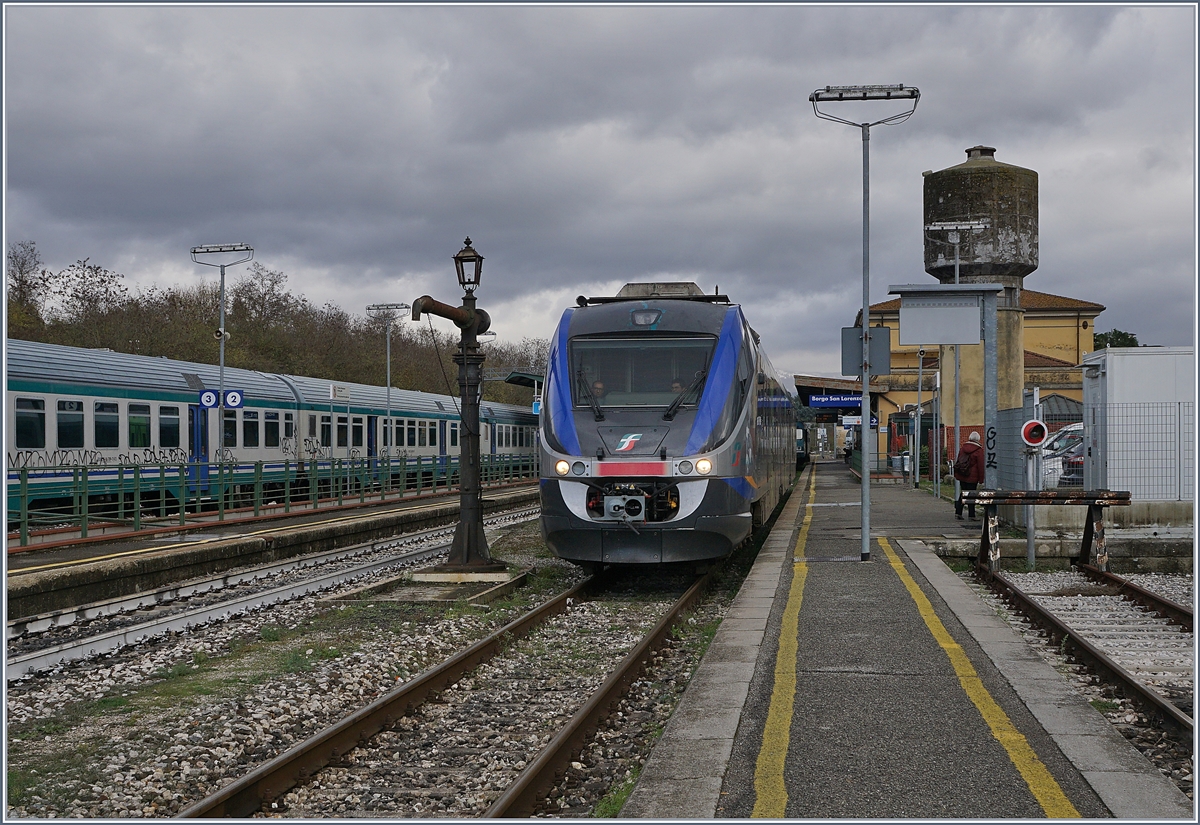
(31, 424)
(107, 425)
(70, 425)
(356, 433)
(139, 426)
(343, 431)
(270, 429)
(229, 434)
(249, 428)
(168, 427)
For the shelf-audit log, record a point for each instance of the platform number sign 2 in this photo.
(1034, 432)
(233, 399)
(208, 399)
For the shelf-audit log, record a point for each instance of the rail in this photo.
(137, 497)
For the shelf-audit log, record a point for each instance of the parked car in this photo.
(1072, 467)
(1054, 449)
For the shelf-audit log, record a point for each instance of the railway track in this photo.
(49, 640)
(1129, 635)
(469, 737)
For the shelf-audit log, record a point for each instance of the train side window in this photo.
(270, 429)
(326, 431)
(387, 432)
(31, 424)
(289, 426)
(139, 426)
(70, 425)
(356, 432)
(229, 434)
(412, 433)
(421, 434)
(343, 431)
(312, 426)
(168, 427)
(432, 433)
(107, 425)
(453, 433)
(249, 428)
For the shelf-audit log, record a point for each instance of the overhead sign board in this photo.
(880, 355)
(940, 319)
(208, 399)
(856, 421)
(840, 400)
(233, 398)
(337, 393)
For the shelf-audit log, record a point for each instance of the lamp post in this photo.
(840, 94)
(388, 313)
(952, 228)
(221, 335)
(469, 552)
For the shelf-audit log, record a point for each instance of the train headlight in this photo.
(562, 467)
(685, 467)
(579, 468)
(704, 466)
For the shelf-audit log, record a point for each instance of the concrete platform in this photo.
(886, 718)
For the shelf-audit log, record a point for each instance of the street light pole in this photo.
(388, 313)
(886, 93)
(221, 335)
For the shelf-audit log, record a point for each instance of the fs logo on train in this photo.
(628, 442)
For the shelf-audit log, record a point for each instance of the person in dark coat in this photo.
(968, 470)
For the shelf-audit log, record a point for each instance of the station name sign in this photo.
(842, 400)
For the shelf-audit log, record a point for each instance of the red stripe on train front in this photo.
(631, 468)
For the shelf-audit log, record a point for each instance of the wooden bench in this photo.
(1093, 528)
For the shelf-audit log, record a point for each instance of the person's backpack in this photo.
(962, 465)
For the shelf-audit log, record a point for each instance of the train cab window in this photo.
(270, 429)
(31, 424)
(139, 425)
(249, 428)
(326, 431)
(107, 425)
(168, 427)
(638, 372)
(356, 432)
(343, 431)
(453, 433)
(412, 433)
(229, 432)
(70, 425)
(289, 426)
(433, 433)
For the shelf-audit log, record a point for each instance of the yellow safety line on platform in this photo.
(1035, 773)
(196, 543)
(770, 793)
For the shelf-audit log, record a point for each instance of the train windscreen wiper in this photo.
(678, 402)
(587, 392)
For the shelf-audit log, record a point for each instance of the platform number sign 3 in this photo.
(208, 399)
(1034, 432)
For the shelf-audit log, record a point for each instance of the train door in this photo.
(372, 443)
(197, 448)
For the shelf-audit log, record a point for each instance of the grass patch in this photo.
(43, 777)
(610, 806)
(1105, 705)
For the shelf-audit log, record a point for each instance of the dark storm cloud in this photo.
(584, 147)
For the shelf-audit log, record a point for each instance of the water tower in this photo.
(1002, 200)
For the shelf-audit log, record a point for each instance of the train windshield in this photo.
(639, 372)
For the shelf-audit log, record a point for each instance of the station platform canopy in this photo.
(810, 385)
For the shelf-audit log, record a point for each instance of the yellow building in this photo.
(1056, 332)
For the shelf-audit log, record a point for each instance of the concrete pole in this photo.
(917, 437)
(867, 447)
(957, 368)
(991, 391)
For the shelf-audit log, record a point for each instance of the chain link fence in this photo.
(1146, 448)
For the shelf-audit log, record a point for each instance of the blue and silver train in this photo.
(667, 436)
(70, 408)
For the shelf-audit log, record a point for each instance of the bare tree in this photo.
(28, 282)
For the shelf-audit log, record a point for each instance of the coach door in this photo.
(197, 448)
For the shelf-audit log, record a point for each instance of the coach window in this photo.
(107, 425)
(229, 434)
(249, 428)
(453, 433)
(412, 433)
(343, 431)
(270, 429)
(356, 432)
(70, 425)
(31, 423)
(168, 427)
(421, 434)
(326, 431)
(432, 433)
(289, 426)
(139, 426)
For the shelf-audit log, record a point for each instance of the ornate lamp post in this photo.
(469, 552)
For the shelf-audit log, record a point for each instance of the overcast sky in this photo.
(582, 148)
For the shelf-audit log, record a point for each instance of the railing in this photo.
(153, 496)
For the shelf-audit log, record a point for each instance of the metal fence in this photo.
(1146, 448)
